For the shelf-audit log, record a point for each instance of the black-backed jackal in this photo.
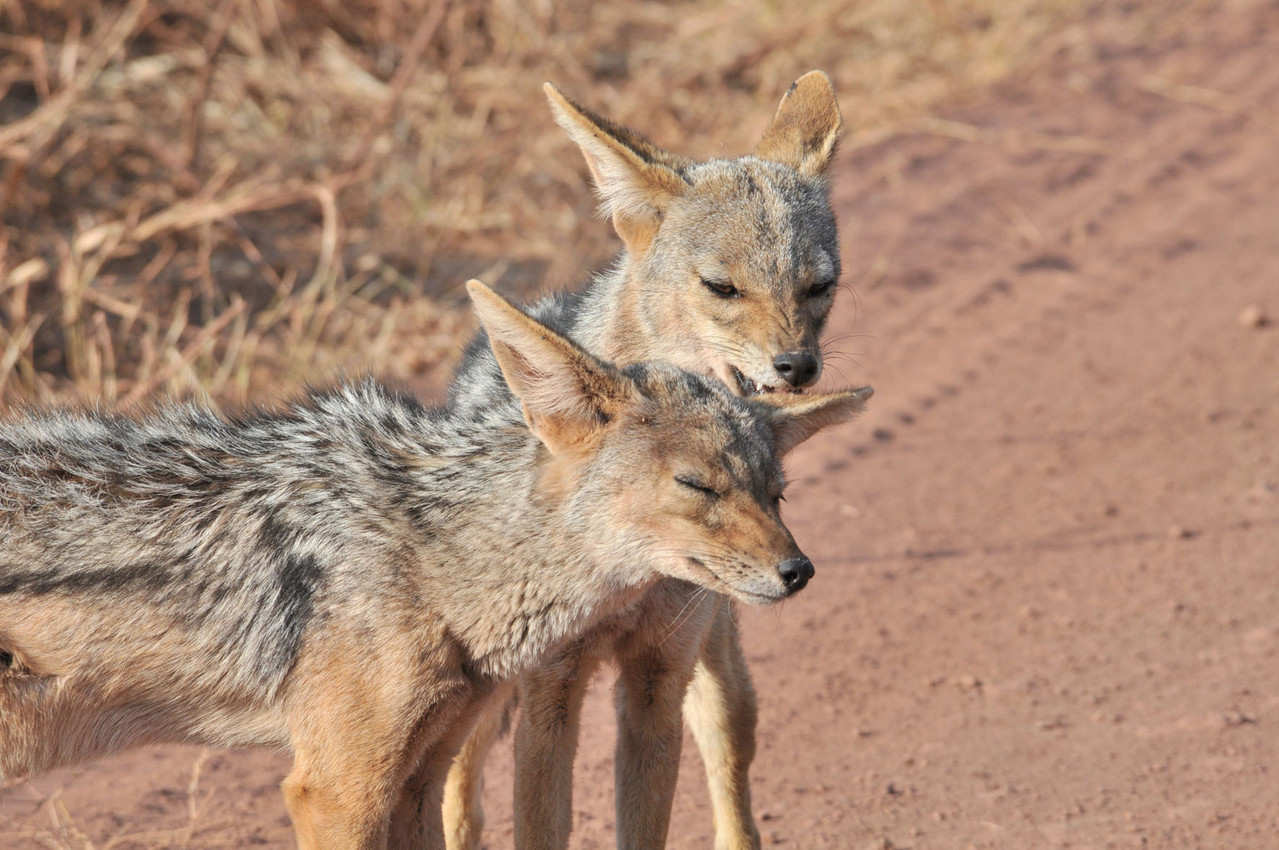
(355, 576)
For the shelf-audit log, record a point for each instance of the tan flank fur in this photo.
(355, 576)
(729, 270)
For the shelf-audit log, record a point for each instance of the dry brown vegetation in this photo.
(220, 196)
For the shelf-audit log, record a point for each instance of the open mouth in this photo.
(748, 387)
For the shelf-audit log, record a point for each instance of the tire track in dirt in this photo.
(1037, 226)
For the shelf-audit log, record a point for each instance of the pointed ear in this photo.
(568, 396)
(636, 179)
(803, 132)
(795, 418)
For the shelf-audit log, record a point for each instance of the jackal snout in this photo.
(757, 370)
(742, 548)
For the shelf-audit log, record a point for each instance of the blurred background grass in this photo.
(224, 198)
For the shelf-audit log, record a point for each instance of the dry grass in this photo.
(220, 196)
(58, 828)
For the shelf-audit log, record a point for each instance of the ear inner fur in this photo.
(566, 394)
(793, 419)
(636, 180)
(803, 132)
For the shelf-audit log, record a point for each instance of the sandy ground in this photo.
(1045, 613)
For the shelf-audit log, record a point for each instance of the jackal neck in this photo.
(519, 571)
(612, 323)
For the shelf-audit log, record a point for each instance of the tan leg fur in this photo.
(463, 792)
(720, 710)
(545, 743)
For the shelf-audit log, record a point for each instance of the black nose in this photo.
(797, 368)
(795, 573)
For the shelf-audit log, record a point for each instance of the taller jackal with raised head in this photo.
(730, 270)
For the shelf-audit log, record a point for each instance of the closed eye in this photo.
(722, 288)
(817, 290)
(694, 484)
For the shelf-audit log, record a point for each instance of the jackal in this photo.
(353, 576)
(729, 269)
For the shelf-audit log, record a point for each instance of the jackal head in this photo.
(731, 265)
(660, 467)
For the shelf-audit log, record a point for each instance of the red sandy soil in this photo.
(1046, 612)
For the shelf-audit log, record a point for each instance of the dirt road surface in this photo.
(1046, 612)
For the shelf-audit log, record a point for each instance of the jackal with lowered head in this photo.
(730, 270)
(354, 576)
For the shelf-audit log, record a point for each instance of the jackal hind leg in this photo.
(545, 745)
(655, 666)
(721, 712)
(463, 812)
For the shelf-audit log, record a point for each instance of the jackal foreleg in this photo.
(545, 744)
(655, 666)
(721, 712)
